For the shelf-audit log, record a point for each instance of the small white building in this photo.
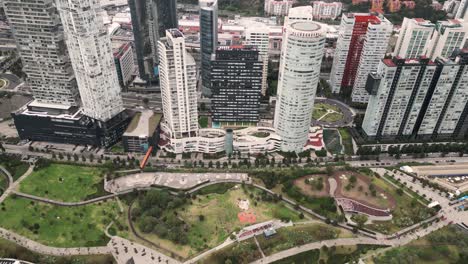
(324, 10)
(277, 7)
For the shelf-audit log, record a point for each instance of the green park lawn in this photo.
(289, 237)
(408, 212)
(331, 139)
(14, 165)
(220, 213)
(60, 226)
(68, 183)
(203, 121)
(444, 246)
(320, 109)
(242, 252)
(347, 141)
(11, 250)
(3, 183)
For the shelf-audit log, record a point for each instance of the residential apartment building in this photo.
(236, 83)
(362, 42)
(448, 36)
(418, 98)
(260, 38)
(150, 20)
(178, 79)
(208, 40)
(325, 10)
(414, 37)
(40, 42)
(91, 57)
(301, 57)
(462, 11)
(58, 76)
(124, 62)
(277, 7)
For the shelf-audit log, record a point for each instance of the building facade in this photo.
(324, 10)
(277, 7)
(124, 63)
(91, 57)
(150, 19)
(373, 50)
(414, 38)
(418, 98)
(362, 42)
(178, 79)
(301, 57)
(208, 40)
(39, 37)
(462, 11)
(260, 38)
(236, 83)
(447, 37)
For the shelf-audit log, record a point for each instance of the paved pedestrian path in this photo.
(47, 250)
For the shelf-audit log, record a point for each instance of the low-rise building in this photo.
(141, 133)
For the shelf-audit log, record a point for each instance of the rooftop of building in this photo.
(393, 62)
(306, 26)
(57, 111)
(175, 33)
(143, 124)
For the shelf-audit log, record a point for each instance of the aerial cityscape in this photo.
(233, 131)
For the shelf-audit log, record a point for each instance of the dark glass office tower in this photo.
(236, 83)
(150, 20)
(208, 40)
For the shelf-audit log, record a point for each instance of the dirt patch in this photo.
(309, 189)
(360, 192)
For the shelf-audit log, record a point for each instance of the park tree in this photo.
(360, 220)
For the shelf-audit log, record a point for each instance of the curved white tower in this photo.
(91, 56)
(301, 56)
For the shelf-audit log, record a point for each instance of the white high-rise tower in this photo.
(414, 37)
(91, 56)
(178, 78)
(40, 42)
(301, 56)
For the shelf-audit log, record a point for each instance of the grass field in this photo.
(331, 139)
(243, 252)
(117, 148)
(68, 183)
(360, 190)
(11, 250)
(60, 226)
(347, 141)
(408, 211)
(14, 165)
(444, 246)
(220, 211)
(289, 237)
(321, 110)
(3, 183)
(203, 121)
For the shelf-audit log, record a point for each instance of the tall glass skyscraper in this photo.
(150, 20)
(208, 40)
